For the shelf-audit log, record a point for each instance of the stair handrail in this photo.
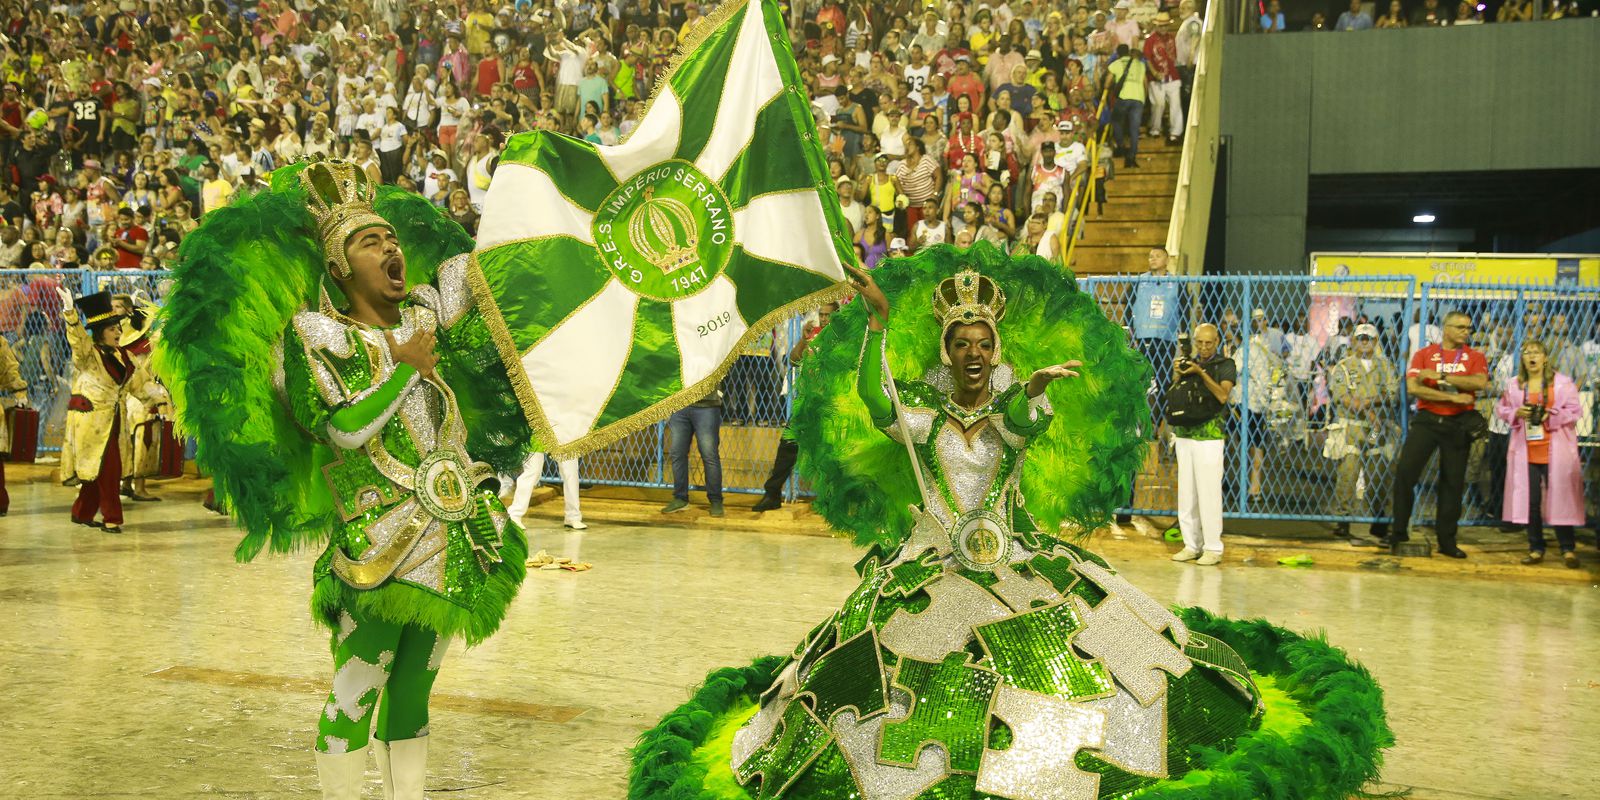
(1186, 234)
(1078, 207)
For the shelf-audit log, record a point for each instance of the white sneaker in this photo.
(1186, 554)
(576, 524)
(1209, 559)
(516, 513)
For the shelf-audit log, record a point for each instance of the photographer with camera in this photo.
(1544, 475)
(1364, 385)
(1445, 379)
(1196, 406)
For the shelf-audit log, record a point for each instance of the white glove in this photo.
(66, 299)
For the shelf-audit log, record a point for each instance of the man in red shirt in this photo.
(965, 82)
(1161, 59)
(129, 240)
(1445, 379)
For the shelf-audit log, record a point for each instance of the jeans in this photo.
(1448, 435)
(1126, 119)
(704, 425)
(1538, 480)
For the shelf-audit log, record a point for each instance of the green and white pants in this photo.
(379, 667)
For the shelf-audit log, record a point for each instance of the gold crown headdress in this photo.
(654, 232)
(967, 299)
(340, 197)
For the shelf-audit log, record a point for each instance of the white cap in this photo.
(830, 59)
(897, 243)
(1259, 313)
(1123, 4)
(1367, 329)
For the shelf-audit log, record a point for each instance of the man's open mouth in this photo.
(396, 270)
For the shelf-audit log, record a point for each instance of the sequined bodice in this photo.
(968, 469)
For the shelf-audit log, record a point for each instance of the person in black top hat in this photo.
(103, 376)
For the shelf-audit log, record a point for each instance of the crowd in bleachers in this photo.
(124, 121)
(1362, 15)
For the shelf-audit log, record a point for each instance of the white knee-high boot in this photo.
(404, 764)
(380, 754)
(342, 774)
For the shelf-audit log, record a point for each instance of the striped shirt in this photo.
(919, 180)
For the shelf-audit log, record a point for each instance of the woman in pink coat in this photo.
(1544, 478)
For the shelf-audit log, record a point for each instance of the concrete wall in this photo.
(1479, 98)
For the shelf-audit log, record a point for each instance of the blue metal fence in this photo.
(1290, 455)
(756, 400)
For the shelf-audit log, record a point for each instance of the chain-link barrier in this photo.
(1314, 423)
(30, 319)
(1317, 417)
(1566, 319)
(755, 393)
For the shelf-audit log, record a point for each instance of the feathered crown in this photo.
(340, 198)
(968, 298)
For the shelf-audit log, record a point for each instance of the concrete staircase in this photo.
(1138, 209)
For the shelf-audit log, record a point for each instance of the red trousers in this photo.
(913, 216)
(104, 493)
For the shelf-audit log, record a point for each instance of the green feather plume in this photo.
(1076, 474)
(240, 278)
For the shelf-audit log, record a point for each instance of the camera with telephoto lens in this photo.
(1536, 415)
(1185, 353)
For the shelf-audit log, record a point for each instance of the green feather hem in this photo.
(1323, 734)
(406, 604)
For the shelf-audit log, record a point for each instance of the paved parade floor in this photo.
(150, 665)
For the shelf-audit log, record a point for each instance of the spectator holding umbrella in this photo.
(1544, 475)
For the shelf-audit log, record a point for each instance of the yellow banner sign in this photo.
(1561, 269)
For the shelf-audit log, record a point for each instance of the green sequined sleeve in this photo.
(1027, 417)
(376, 406)
(870, 384)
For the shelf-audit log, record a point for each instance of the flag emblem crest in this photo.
(667, 233)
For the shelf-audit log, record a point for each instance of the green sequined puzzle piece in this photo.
(1059, 572)
(801, 737)
(950, 706)
(1203, 711)
(913, 575)
(1033, 650)
(828, 776)
(856, 613)
(848, 676)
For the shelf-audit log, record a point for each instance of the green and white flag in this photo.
(629, 277)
